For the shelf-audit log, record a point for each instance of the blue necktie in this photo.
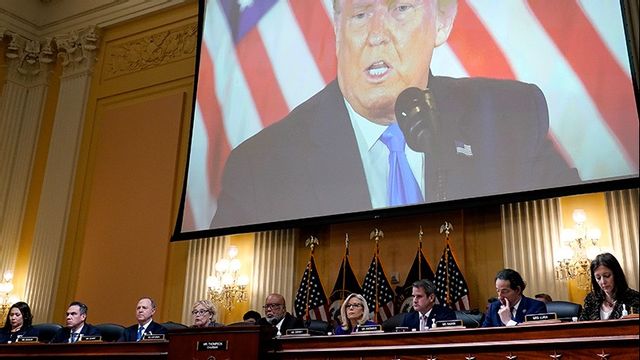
(402, 187)
(140, 331)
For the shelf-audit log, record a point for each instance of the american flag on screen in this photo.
(311, 300)
(376, 289)
(451, 287)
(261, 58)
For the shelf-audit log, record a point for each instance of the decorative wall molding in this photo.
(77, 50)
(151, 51)
(29, 59)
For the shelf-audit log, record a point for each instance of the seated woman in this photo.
(354, 311)
(610, 291)
(17, 324)
(204, 314)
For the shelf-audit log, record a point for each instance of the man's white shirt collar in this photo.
(375, 157)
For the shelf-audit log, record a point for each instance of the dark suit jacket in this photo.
(131, 333)
(308, 164)
(62, 336)
(439, 312)
(7, 336)
(527, 306)
(289, 322)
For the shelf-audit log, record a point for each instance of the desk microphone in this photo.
(418, 118)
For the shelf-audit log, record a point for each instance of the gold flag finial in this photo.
(446, 228)
(311, 242)
(376, 234)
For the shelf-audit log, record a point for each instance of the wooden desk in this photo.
(156, 350)
(599, 340)
(218, 343)
(613, 340)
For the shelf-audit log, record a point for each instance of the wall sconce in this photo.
(579, 247)
(6, 298)
(226, 287)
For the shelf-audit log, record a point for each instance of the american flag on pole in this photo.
(451, 287)
(311, 300)
(259, 59)
(376, 289)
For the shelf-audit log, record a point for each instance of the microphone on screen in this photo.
(418, 118)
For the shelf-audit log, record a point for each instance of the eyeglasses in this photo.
(199, 312)
(271, 306)
(352, 306)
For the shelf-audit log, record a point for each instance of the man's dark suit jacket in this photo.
(130, 334)
(62, 336)
(289, 322)
(309, 165)
(439, 312)
(527, 306)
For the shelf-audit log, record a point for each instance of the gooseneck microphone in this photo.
(418, 118)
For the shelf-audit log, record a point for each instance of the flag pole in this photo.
(377, 235)
(344, 265)
(311, 242)
(446, 228)
(420, 233)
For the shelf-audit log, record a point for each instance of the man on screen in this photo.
(341, 151)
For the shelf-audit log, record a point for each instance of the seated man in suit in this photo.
(275, 314)
(427, 312)
(511, 306)
(145, 309)
(76, 326)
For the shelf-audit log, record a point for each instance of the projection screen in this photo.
(529, 95)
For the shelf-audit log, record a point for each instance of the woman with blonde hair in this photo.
(204, 314)
(354, 312)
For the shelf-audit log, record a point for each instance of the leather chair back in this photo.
(170, 325)
(110, 332)
(470, 318)
(390, 324)
(564, 309)
(46, 331)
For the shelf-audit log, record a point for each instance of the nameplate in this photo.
(153, 337)
(90, 338)
(402, 329)
(297, 332)
(213, 345)
(449, 324)
(368, 328)
(540, 317)
(27, 339)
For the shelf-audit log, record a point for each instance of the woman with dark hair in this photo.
(17, 324)
(610, 294)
